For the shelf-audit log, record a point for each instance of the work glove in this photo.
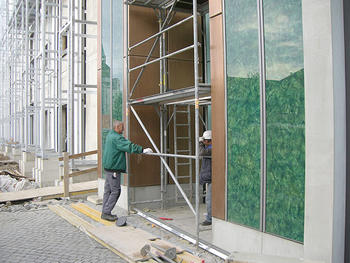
(147, 150)
(200, 139)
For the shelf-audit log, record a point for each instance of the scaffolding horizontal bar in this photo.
(173, 155)
(164, 57)
(85, 86)
(183, 164)
(173, 95)
(202, 101)
(85, 35)
(145, 202)
(85, 22)
(181, 233)
(51, 4)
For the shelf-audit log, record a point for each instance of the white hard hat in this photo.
(207, 135)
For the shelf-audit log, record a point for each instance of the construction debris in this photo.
(11, 180)
(9, 184)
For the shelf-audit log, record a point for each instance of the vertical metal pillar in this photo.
(14, 71)
(37, 80)
(23, 76)
(56, 127)
(7, 75)
(161, 90)
(42, 76)
(27, 74)
(126, 89)
(196, 82)
(71, 63)
(262, 116)
(59, 80)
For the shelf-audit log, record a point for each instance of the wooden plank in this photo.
(128, 240)
(49, 192)
(70, 217)
(94, 214)
(79, 155)
(84, 226)
(65, 175)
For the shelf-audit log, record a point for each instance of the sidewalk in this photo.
(39, 235)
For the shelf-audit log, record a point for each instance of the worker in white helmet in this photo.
(205, 147)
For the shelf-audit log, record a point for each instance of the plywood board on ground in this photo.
(49, 192)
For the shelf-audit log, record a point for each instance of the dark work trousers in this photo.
(111, 192)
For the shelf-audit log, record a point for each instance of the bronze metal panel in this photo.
(99, 108)
(143, 23)
(215, 7)
(145, 170)
(182, 36)
(218, 115)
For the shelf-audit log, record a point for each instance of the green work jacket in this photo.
(114, 151)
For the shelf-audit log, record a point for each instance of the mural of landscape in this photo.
(285, 117)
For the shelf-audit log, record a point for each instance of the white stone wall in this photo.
(325, 130)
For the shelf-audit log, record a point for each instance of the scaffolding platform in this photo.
(179, 96)
(162, 4)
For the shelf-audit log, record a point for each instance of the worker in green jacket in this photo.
(114, 163)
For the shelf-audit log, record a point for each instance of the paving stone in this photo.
(42, 236)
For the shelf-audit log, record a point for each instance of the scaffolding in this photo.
(194, 96)
(43, 68)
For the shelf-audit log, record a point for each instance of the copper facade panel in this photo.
(143, 23)
(218, 115)
(182, 36)
(215, 8)
(144, 170)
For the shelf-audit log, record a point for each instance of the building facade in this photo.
(278, 109)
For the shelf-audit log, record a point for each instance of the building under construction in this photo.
(269, 78)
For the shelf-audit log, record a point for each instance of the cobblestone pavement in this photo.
(39, 235)
(30, 232)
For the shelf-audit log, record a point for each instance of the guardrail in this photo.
(66, 175)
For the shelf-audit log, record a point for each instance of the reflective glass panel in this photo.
(106, 67)
(117, 75)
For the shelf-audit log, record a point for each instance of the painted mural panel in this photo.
(243, 113)
(285, 119)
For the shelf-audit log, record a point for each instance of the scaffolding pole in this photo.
(195, 100)
(31, 91)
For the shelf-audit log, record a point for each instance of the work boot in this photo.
(109, 217)
(206, 223)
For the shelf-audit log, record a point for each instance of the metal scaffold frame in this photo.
(198, 94)
(34, 86)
